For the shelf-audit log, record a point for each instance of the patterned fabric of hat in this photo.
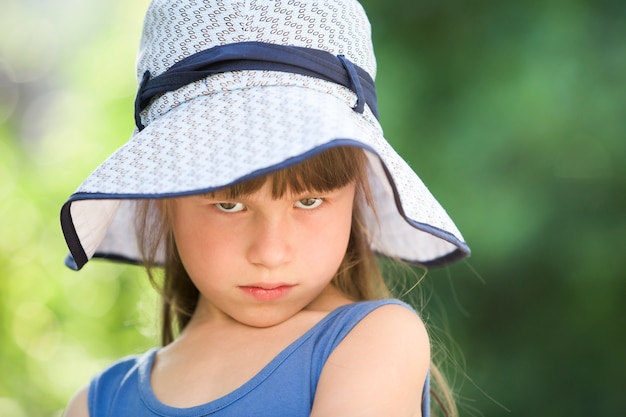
(230, 90)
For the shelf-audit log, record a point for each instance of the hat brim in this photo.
(215, 140)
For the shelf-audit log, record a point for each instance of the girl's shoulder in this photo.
(386, 354)
(122, 367)
(387, 316)
(384, 309)
(108, 383)
(366, 316)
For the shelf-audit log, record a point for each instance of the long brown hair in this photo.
(359, 276)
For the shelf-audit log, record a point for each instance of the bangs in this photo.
(329, 170)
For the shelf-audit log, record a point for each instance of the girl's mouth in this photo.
(263, 292)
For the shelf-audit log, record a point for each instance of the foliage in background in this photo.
(512, 113)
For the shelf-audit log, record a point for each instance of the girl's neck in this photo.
(225, 353)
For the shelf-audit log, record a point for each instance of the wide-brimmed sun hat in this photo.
(232, 90)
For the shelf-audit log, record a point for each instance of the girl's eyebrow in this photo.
(224, 195)
(221, 195)
(211, 195)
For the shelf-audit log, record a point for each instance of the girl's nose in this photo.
(271, 242)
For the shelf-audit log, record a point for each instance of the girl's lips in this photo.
(263, 292)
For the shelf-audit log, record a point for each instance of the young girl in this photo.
(256, 190)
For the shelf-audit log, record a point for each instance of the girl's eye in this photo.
(309, 203)
(230, 207)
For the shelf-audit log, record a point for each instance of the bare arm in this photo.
(78, 404)
(379, 368)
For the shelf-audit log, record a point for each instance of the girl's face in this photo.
(260, 260)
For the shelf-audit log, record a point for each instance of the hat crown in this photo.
(174, 30)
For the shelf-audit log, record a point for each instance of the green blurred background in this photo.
(511, 112)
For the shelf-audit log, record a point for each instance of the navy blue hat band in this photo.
(259, 56)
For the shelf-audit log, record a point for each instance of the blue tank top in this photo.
(289, 381)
